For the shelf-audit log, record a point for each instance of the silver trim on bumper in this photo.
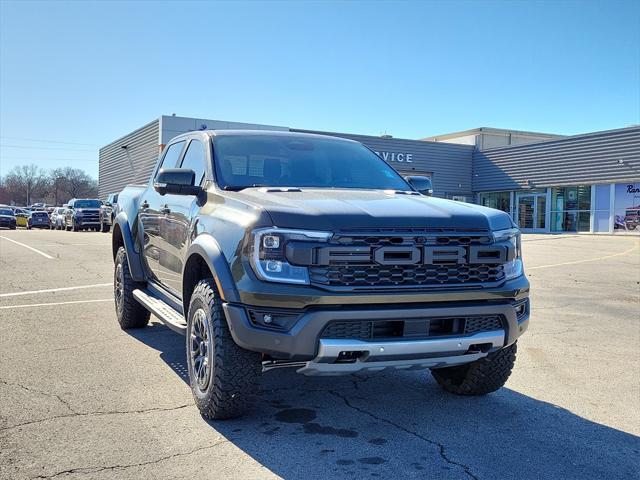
(378, 356)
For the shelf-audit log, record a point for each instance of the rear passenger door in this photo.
(150, 214)
(176, 223)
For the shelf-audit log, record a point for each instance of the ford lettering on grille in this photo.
(396, 260)
(409, 255)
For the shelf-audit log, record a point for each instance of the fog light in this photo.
(274, 266)
(267, 319)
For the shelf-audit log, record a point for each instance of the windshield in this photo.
(60, 210)
(288, 161)
(87, 204)
(6, 211)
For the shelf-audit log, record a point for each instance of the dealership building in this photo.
(548, 183)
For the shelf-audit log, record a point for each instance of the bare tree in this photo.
(57, 182)
(26, 182)
(77, 183)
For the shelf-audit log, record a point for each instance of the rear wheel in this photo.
(222, 375)
(129, 312)
(480, 377)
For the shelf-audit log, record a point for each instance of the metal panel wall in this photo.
(449, 163)
(601, 157)
(119, 166)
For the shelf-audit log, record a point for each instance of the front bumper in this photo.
(303, 342)
(84, 222)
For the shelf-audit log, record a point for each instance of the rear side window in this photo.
(172, 155)
(195, 160)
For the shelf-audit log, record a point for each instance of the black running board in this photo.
(167, 315)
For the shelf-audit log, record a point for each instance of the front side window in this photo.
(195, 159)
(172, 155)
(287, 161)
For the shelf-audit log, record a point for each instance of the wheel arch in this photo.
(205, 259)
(122, 237)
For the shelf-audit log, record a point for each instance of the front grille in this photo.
(388, 276)
(357, 269)
(412, 329)
(90, 217)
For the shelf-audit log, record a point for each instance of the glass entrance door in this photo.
(531, 211)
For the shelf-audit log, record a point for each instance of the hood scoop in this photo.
(402, 192)
(279, 189)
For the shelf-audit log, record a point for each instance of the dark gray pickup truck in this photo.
(276, 249)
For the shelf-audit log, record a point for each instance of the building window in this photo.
(571, 209)
(497, 200)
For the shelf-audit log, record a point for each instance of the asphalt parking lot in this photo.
(79, 398)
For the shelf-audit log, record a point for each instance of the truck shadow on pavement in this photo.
(401, 425)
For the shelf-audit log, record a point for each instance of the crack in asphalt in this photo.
(441, 448)
(86, 470)
(98, 414)
(40, 392)
(356, 382)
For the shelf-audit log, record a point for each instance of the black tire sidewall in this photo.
(197, 302)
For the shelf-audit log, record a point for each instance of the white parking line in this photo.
(4, 307)
(49, 290)
(30, 248)
(584, 261)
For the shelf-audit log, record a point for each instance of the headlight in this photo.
(268, 257)
(514, 267)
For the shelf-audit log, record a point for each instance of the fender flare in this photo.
(133, 258)
(208, 248)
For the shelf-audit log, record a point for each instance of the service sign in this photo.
(398, 157)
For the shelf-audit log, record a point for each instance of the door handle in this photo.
(144, 205)
(165, 209)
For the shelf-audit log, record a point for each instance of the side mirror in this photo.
(421, 184)
(179, 181)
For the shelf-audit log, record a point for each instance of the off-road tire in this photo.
(233, 371)
(480, 377)
(129, 312)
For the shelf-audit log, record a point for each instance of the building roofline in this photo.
(479, 130)
(157, 119)
(376, 137)
(568, 138)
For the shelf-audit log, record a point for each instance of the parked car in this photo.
(21, 216)
(319, 257)
(83, 214)
(107, 212)
(56, 218)
(632, 217)
(7, 218)
(38, 219)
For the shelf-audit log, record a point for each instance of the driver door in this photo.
(150, 214)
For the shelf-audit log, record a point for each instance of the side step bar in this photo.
(167, 315)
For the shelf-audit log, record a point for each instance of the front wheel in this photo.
(129, 312)
(105, 227)
(222, 375)
(480, 377)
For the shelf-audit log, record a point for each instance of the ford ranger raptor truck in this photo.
(278, 249)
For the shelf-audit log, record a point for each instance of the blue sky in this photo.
(86, 73)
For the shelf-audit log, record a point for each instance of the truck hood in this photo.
(349, 209)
